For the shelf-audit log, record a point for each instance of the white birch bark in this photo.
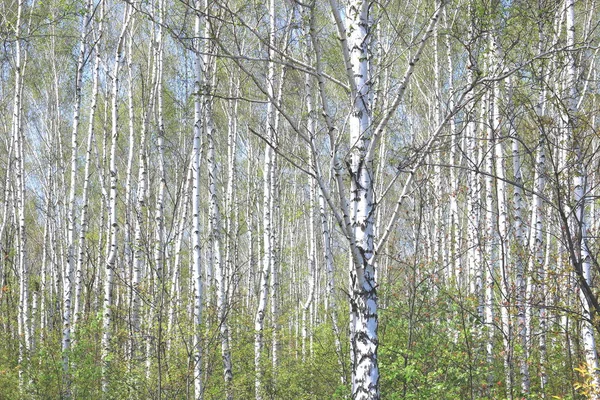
(490, 235)
(275, 228)
(19, 206)
(454, 222)
(158, 278)
(523, 301)
(196, 230)
(504, 253)
(112, 210)
(44, 286)
(220, 271)
(83, 222)
(475, 267)
(311, 278)
(250, 200)
(538, 261)
(141, 215)
(175, 289)
(267, 212)
(363, 298)
(439, 226)
(587, 330)
(70, 267)
(536, 247)
(231, 224)
(129, 207)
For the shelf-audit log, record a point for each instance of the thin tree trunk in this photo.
(220, 271)
(112, 211)
(129, 218)
(311, 257)
(83, 222)
(70, 267)
(267, 212)
(196, 232)
(18, 144)
(522, 299)
(231, 229)
(454, 222)
(275, 228)
(175, 290)
(504, 253)
(490, 238)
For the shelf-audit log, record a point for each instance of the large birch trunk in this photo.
(363, 295)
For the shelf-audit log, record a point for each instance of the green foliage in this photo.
(422, 357)
(585, 384)
(432, 346)
(9, 376)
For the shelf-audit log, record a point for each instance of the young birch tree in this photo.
(70, 267)
(111, 259)
(196, 228)
(268, 254)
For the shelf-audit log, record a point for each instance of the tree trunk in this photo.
(196, 230)
(70, 267)
(111, 261)
(83, 221)
(267, 212)
(363, 296)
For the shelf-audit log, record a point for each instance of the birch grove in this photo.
(301, 199)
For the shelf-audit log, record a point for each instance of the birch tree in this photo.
(112, 210)
(70, 268)
(197, 250)
(268, 252)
